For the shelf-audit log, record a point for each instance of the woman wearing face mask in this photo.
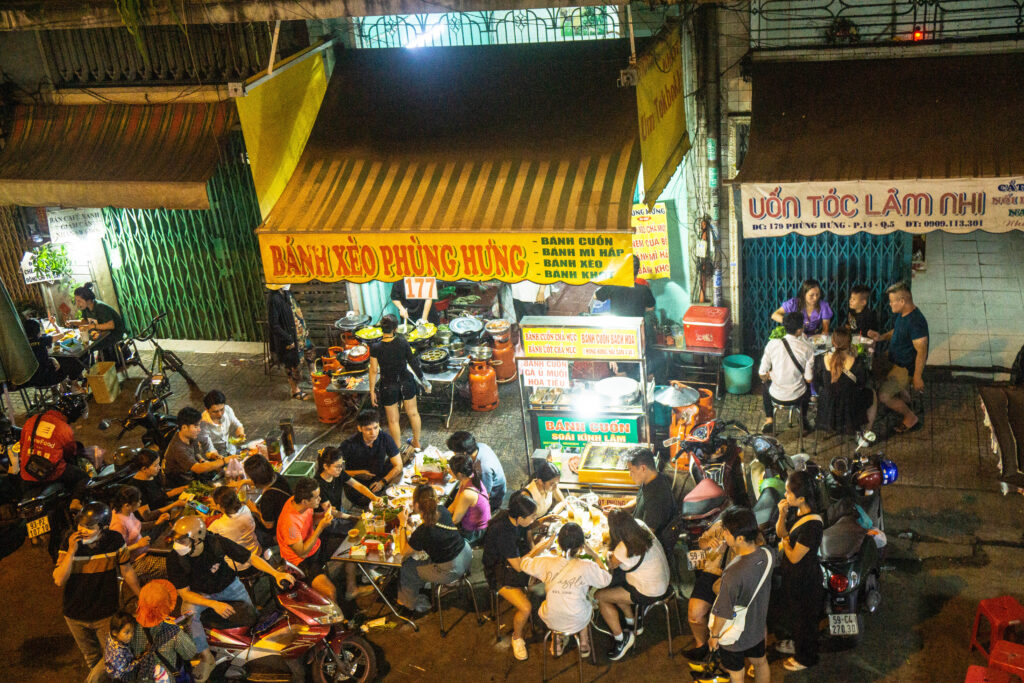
(289, 341)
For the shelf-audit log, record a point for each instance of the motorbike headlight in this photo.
(326, 614)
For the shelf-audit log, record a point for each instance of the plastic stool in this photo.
(1000, 612)
(979, 674)
(1008, 657)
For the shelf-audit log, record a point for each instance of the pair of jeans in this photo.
(235, 592)
(417, 573)
(804, 401)
(91, 638)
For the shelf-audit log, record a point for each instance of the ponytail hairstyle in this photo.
(841, 340)
(327, 457)
(425, 500)
(571, 539)
(463, 465)
(545, 472)
(86, 291)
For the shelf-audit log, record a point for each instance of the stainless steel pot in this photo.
(617, 390)
(481, 353)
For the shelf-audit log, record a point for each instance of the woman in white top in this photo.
(567, 580)
(544, 488)
(641, 577)
(236, 522)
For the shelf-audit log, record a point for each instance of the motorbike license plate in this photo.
(694, 558)
(38, 527)
(843, 625)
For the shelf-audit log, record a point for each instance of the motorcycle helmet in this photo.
(869, 478)
(890, 472)
(839, 467)
(72, 406)
(191, 528)
(94, 515)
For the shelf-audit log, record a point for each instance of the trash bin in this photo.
(739, 370)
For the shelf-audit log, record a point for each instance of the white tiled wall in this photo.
(971, 297)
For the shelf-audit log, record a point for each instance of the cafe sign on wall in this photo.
(575, 432)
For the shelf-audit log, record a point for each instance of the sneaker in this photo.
(638, 627)
(621, 647)
(697, 654)
(519, 649)
(785, 647)
(792, 665)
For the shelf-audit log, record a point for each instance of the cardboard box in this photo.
(103, 382)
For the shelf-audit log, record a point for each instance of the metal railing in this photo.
(778, 24)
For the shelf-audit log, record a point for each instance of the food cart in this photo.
(585, 396)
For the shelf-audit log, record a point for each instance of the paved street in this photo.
(954, 539)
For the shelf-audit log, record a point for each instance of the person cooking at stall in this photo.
(529, 298)
(412, 310)
(371, 458)
(810, 303)
(190, 453)
(390, 359)
(543, 488)
(491, 473)
(99, 316)
(220, 424)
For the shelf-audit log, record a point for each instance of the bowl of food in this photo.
(353, 535)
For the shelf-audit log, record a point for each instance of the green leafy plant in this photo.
(51, 262)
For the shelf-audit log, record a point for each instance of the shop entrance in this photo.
(969, 287)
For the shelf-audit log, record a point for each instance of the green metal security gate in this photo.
(201, 267)
(774, 267)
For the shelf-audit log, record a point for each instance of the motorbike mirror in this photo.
(104, 424)
(668, 443)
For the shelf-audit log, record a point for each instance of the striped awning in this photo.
(523, 138)
(129, 156)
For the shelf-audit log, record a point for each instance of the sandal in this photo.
(300, 396)
(903, 429)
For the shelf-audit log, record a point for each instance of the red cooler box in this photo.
(706, 326)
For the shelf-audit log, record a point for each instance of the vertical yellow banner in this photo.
(659, 102)
(650, 240)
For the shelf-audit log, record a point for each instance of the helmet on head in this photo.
(72, 406)
(93, 515)
(191, 527)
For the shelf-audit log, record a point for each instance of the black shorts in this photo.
(392, 393)
(704, 586)
(736, 660)
(619, 580)
(316, 564)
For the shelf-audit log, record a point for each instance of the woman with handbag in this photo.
(164, 647)
(802, 592)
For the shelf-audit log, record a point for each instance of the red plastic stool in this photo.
(1000, 612)
(1008, 657)
(979, 674)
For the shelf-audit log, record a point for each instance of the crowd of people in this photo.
(840, 377)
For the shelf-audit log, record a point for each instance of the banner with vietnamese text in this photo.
(650, 240)
(572, 258)
(956, 205)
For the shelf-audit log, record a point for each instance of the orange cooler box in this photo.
(706, 326)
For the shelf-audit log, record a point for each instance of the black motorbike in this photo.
(12, 528)
(852, 545)
(766, 481)
(158, 428)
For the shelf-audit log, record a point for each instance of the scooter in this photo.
(766, 481)
(158, 428)
(303, 632)
(850, 560)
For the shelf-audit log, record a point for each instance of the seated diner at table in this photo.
(543, 488)
(811, 305)
(274, 493)
(50, 370)
(846, 404)
(371, 458)
(434, 552)
(491, 473)
(640, 576)
(567, 580)
(331, 476)
(505, 544)
(101, 317)
(654, 504)
(235, 522)
(190, 455)
(220, 424)
(470, 508)
(860, 317)
(786, 370)
(149, 480)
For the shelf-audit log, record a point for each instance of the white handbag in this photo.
(734, 627)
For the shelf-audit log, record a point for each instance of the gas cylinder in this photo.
(483, 386)
(505, 370)
(328, 404)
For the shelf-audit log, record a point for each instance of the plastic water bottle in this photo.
(716, 288)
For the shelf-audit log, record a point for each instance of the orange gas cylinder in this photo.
(328, 404)
(706, 403)
(506, 355)
(483, 386)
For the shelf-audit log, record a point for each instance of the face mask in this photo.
(182, 548)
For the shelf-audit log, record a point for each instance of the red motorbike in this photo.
(302, 633)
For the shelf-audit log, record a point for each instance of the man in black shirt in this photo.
(371, 458)
(861, 319)
(198, 568)
(635, 301)
(274, 493)
(416, 310)
(87, 569)
(654, 504)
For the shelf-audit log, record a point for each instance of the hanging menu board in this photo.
(598, 337)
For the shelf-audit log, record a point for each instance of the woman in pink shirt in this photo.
(127, 501)
(471, 508)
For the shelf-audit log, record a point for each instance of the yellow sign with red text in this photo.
(570, 342)
(574, 259)
(650, 240)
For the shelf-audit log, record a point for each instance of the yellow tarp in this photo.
(277, 117)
